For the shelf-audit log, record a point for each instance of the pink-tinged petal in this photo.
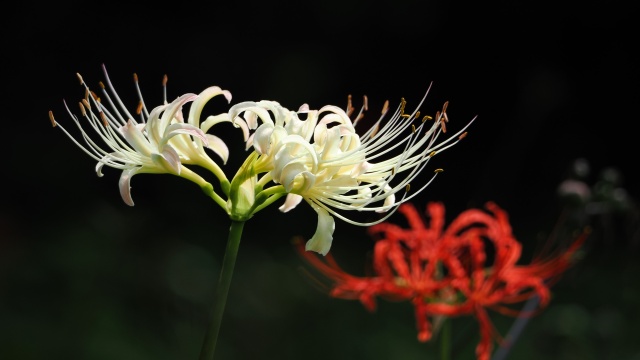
(169, 160)
(291, 201)
(218, 146)
(251, 118)
(186, 129)
(216, 119)
(361, 168)
(249, 142)
(134, 136)
(321, 240)
(251, 111)
(198, 104)
(154, 132)
(303, 108)
(124, 184)
(174, 107)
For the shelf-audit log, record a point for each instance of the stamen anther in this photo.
(53, 121)
(385, 107)
(349, 105)
(82, 108)
(104, 119)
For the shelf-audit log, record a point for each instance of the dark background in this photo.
(84, 276)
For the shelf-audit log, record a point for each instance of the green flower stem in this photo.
(445, 340)
(204, 185)
(228, 263)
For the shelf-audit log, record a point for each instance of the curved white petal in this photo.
(136, 138)
(218, 146)
(388, 201)
(181, 128)
(291, 202)
(251, 107)
(198, 104)
(124, 185)
(168, 159)
(296, 178)
(321, 240)
(262, 138)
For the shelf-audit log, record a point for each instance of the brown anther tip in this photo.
(443, 127)
(165, 78)
(462, 136)
(417, 115)
(53, 121)
(406, 116)
(80, 78)
(95, 96)
(432, 154)
(366, 103)
(393, 171)
(139, 108)
(101, 85)
(385, 107)
(413, 128)
(104, 119)
(349, 105)
(135, 77)
(82, 108)
(407, 188)
(444, 107)
(446, 118)
(426, 117)
(437, 171)
(86, 104)
(375, 131)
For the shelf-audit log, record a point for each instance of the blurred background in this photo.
(84, 276)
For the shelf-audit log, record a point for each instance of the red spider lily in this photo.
(465, 269)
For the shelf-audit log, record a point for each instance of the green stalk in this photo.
(445, 340)
(228, 263)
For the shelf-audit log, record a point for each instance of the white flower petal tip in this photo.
(125, 188)
(323, 237)
(291, 202)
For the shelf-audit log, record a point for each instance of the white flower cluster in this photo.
(315, 155)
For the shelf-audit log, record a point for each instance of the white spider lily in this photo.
(161, 142)
(322, 159)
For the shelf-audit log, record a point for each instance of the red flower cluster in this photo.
(465, 269)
